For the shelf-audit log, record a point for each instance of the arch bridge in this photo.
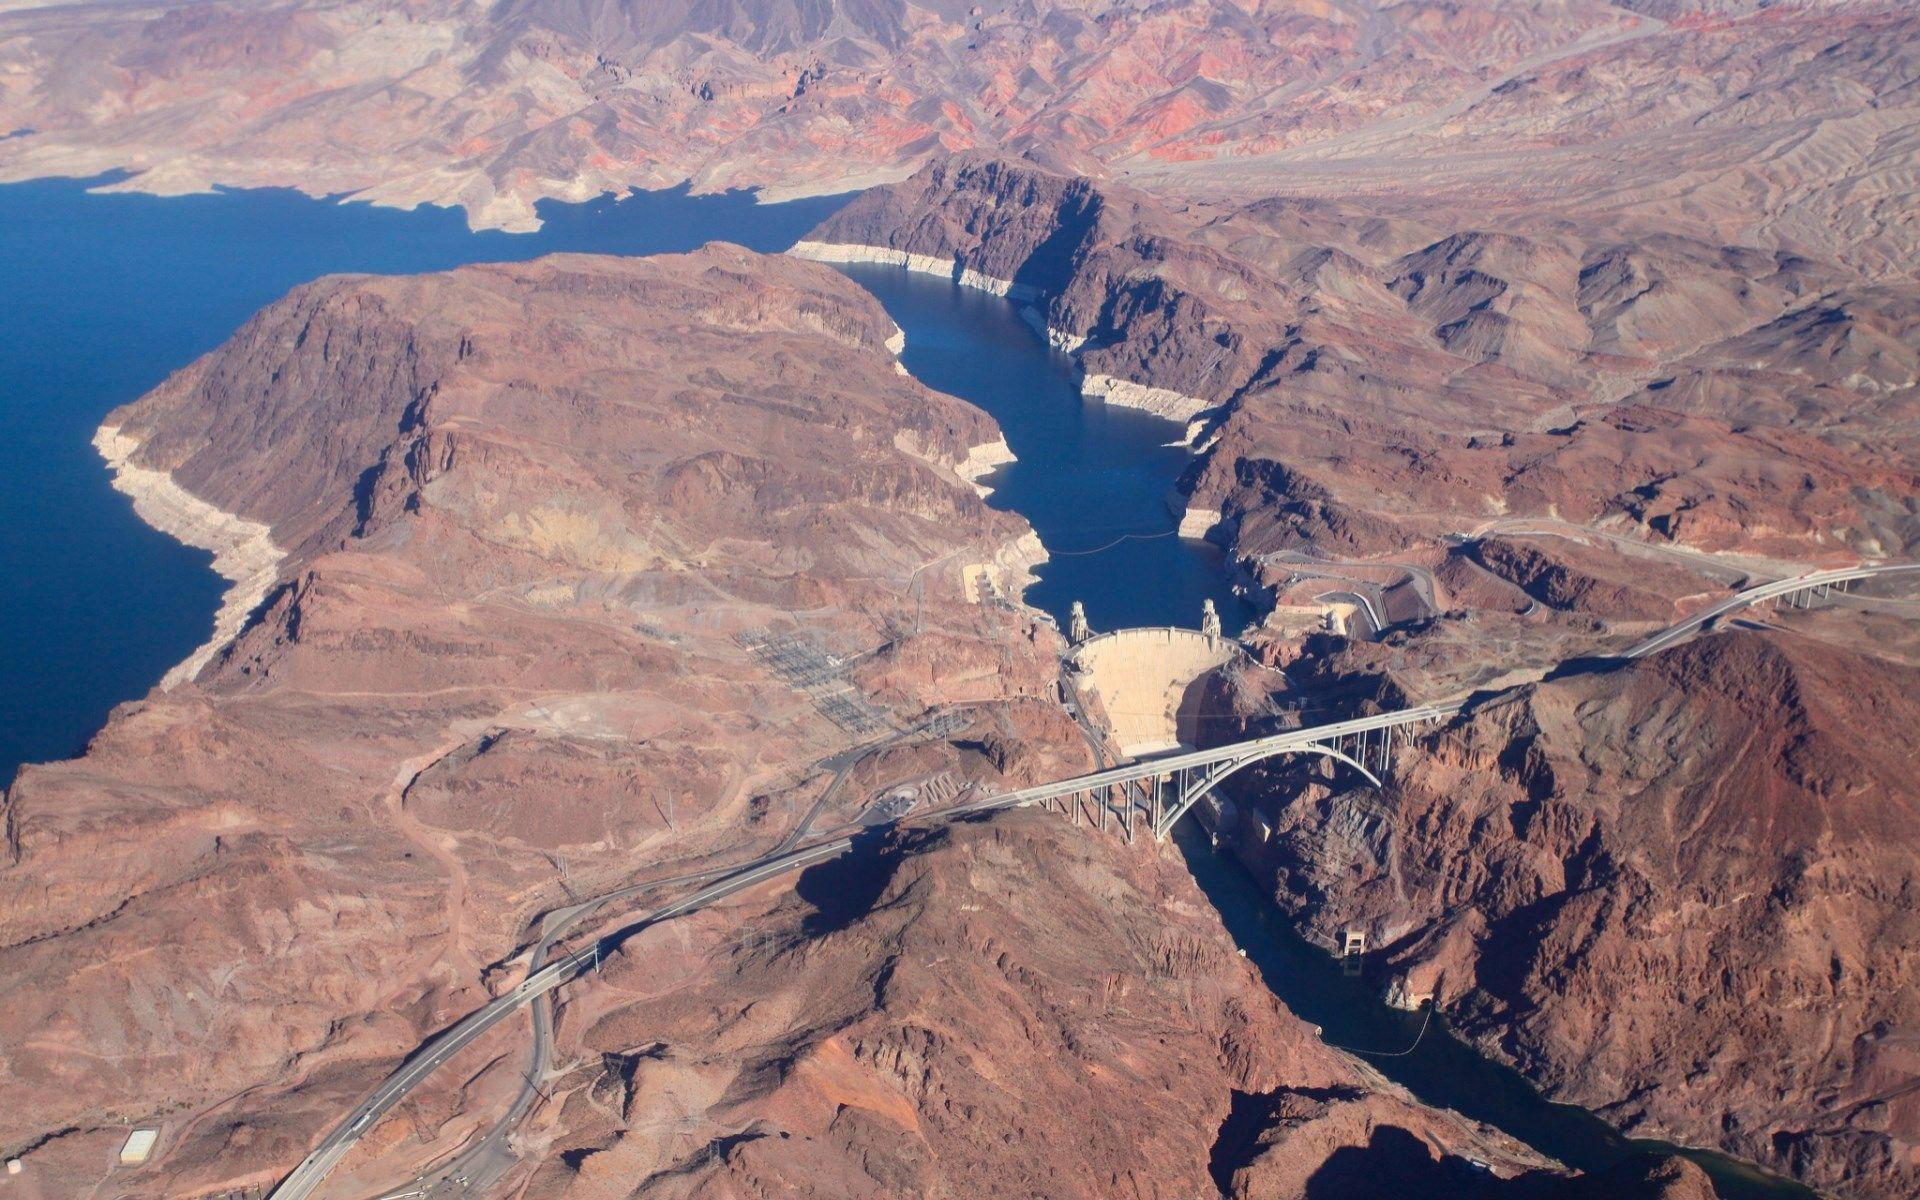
(1154, 793)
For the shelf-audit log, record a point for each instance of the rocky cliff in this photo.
(1682, 892)
(1376, 383)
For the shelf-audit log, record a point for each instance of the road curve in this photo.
(301, 1182)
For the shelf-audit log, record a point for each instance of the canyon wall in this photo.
(1681, 892)
(1526, 449)
(1378, 383)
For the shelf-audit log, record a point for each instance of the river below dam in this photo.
(109, 293)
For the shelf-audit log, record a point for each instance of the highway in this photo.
(435, 1052)
(489, 1156)
(1759, 594)
(1296, 738)
(544, 977)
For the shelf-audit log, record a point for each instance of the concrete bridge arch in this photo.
(1190, 788)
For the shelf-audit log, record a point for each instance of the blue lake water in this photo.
(108, 293)
(104, 295)
(1092, 479)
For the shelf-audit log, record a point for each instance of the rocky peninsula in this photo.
(509, 536)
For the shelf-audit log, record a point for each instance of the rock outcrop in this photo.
(1681, 892)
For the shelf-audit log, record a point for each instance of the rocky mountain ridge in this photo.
(1372, 384)
(1783, 125)
(1680, 892)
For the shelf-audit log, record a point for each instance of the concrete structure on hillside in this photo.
(1149, 683)
(1077, 628)
(139, 1147)
(1331, 614)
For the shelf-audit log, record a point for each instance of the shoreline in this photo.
(923, 264)
(244, 552)
(1161, 402)
(1121, 393)
(982, 461)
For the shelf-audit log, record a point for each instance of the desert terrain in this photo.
(536, 526)
(1505, 336)
(1460, 462)
(1785, 126)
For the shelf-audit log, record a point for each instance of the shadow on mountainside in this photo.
(842, 890)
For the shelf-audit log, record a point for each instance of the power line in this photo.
(1143, 537)
(1393, 1053)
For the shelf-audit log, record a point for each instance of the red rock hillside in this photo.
(1682, 892)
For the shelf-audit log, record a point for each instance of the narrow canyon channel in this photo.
(1092, 480)
(109, 293)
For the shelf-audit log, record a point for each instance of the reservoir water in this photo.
(105, 294)
(1091, 479)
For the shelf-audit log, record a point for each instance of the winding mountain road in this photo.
(543, 977)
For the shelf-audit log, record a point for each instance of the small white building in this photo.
(139, 1147)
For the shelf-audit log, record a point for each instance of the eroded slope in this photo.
(527, 513)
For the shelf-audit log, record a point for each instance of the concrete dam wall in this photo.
(1149, 682)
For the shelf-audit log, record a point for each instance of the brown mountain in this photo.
(1377, 383)
(1682, 892)
(1786, 126)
